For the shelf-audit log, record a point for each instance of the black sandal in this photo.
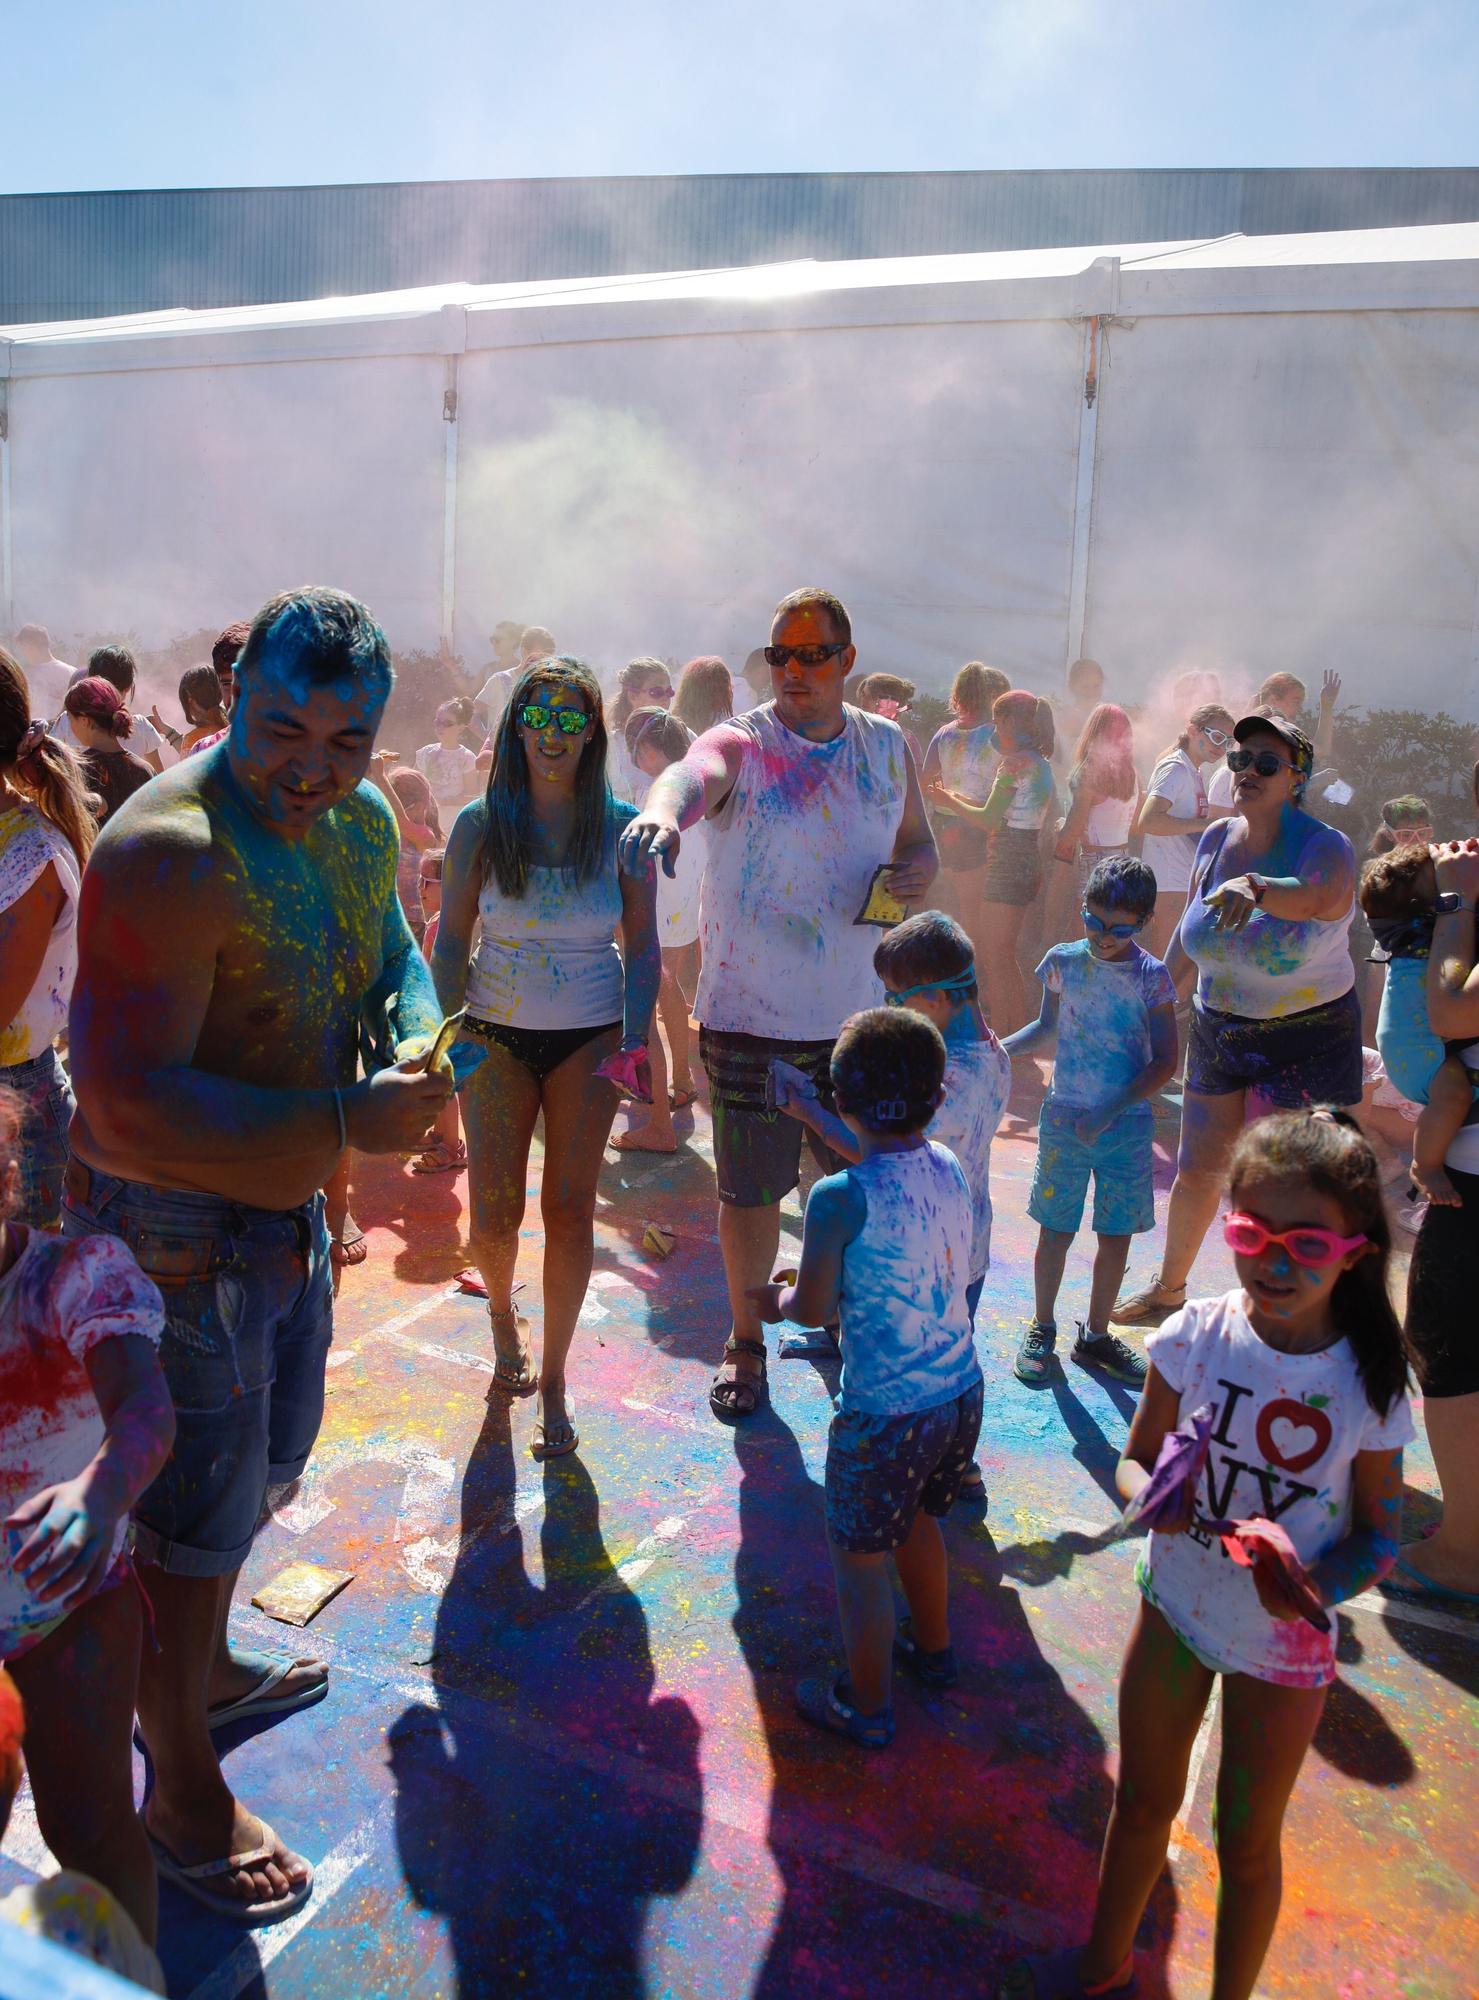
(756, 1388)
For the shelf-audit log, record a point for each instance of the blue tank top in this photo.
(906, 1328)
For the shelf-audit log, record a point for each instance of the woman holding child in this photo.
(1275, 1019)
(1444, 1276)
(551, 999)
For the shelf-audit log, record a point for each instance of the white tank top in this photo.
(1108, 823)
(906, 1327)
(791, 854)
(548, 958)
(1273, 966)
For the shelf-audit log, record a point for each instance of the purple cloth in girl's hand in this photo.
(629, 1070)
(1178, 1467)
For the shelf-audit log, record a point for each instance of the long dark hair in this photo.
(1327, 1150)
(1105, 755)
(506, 838)
(44, 772)
(635, 674)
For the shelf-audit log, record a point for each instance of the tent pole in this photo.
(449, 507)
(1083, 498)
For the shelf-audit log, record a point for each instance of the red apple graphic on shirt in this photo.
(1283, 1447)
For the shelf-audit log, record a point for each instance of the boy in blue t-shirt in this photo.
(1112, 1009)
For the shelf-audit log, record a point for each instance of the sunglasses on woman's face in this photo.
(804, 656)
(1315, 1248)
(538, 716)
(1096, 926)
(660, 692)
(1264, 762)
(1218, 738)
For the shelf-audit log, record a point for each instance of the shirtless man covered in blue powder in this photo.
(233, 922)
(806, 799)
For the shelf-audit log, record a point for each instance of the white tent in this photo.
(1246, 454)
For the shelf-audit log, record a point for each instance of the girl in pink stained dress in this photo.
(86, 1422)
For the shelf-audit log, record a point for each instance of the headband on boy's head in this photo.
(960, 983)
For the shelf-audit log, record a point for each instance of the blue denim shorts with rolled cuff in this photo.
(1121, 1161)
(46, 1118)
(249, 1308)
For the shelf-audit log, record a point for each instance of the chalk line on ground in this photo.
(247, 1960)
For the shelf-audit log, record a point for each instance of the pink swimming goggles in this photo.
(1246, 1236)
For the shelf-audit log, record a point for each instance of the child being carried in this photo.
(1399, 894)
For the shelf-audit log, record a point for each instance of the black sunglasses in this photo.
(804, 656)
(1264, 762)
(537, 715)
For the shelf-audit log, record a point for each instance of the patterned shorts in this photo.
(882, 1470)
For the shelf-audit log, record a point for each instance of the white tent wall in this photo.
(1281, 468)
(1292, 491)
(157, 501)
(657, 495)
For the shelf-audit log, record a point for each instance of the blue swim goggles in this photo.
(961, 983)
(1096, 926)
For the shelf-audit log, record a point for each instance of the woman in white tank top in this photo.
(551, 999)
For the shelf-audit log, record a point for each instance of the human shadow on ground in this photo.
(975, 1835)
(547, 1798)
(1353, 1735)
(1093, 1450)
(424, 1210)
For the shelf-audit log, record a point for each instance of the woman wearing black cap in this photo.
(1276, 1019)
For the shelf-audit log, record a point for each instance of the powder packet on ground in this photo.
(300, 1591)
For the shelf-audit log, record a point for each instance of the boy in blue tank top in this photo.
(886, 1248)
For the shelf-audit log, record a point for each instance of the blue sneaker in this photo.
(829, 1705)
(1034, 1362)
(1110, 1355)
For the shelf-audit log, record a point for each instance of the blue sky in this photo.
(183, 93)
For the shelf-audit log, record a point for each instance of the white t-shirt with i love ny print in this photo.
(1284, 1442)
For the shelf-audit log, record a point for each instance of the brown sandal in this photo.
(512, 1376)
(757, 1389)
(1149, 1308)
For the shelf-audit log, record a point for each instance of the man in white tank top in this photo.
(806, 799)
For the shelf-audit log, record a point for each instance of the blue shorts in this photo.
(249, 1310)
(882, 1470)
(46, 1117)
(1120, 1161)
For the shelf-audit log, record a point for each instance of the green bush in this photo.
(1385, 752)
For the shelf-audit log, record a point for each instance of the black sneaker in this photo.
(1034, 1362)
(932, 1670)
(1110, 1355)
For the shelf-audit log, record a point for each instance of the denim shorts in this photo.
(1120, 1160)
(249, 1306)
(882, 1470)
(48, 1105)
(1294, 1061)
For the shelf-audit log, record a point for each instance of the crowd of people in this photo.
(425, 955)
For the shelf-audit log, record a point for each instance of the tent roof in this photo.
(1430, 265)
